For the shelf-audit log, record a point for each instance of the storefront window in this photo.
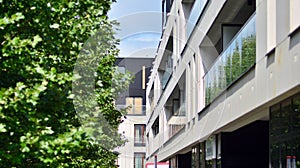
(173, 162)
(196, 156)
(285, 133)
(213, 152)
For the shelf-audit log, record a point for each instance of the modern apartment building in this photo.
(225, 86)
(132, 154)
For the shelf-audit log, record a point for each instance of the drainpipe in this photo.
(155, 161)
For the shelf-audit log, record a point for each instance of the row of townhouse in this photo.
(224, 90)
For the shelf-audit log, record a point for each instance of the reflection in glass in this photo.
(139, 160)
(139, 134)
(194, 15)
(285, 132)
(236, 59)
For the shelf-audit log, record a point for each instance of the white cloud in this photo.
(139, 45)
(153, 38)
(143, 53)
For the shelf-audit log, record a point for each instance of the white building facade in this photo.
(224, 89)
(133, 128)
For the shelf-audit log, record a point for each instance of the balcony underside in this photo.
(233, 12)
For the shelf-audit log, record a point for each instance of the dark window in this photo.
(285, 133)
(196, 156)
(155, 127)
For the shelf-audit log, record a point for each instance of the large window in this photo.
(139, 160)
(139, 134)
(285, 133)
(136, 106)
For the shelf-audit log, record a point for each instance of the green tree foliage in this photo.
(39, 125)
(236, 62)
(248, 52)
(228, 68)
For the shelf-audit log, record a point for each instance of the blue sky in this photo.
(126, 7)
(140, 26)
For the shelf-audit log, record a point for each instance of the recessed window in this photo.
(139, 134)
(155, 127)
(139, 160)
(176, 106)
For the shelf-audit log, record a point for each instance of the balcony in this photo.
(167, 72)
(177, 120)
(166, 9)
(166, 64)
(234, 61)
(139, 141)
(196, 11)
(134, 110)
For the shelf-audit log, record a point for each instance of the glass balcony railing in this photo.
(168, 70)
(194, 15)
(236, 59)
(139, 141)
(133, 109)
(177, 120)
(166, 7)
(174, 129)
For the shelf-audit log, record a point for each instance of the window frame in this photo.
(135, 157)
(143, 134)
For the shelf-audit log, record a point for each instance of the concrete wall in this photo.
(274, 77)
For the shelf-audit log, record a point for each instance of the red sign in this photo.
(159, 165)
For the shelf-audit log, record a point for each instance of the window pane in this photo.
(155, 127)
(139, 160)
(129, 102)
(175, 107)
(296, 115)
(139, 135)
(173, 162)
(138, 104)
(285, 132)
